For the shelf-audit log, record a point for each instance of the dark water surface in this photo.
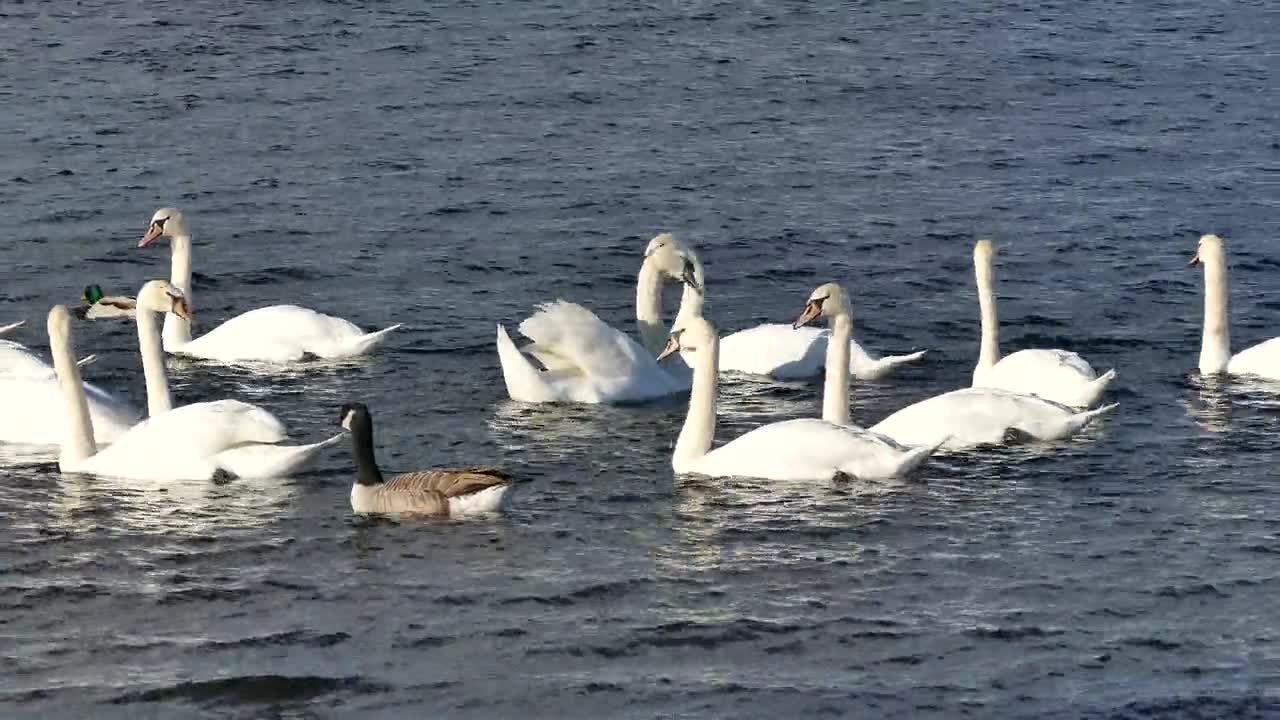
(450, 167)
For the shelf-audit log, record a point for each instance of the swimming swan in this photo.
(1057, 375)
(1263, 359)
(197, 442)
(585, 360)
(789, 352)
(804, 449)
(278, 334)
(443, 491)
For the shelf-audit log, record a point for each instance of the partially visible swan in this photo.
(198, 442)
(983, 416)
(805, 449)
(585, 360)
(1057, 375)
(98, 306)
(449, 492)
(278, 334)
(1261, 360)
(788, 352)
(830, 301)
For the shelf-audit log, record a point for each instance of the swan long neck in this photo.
(691, 300)
(1215, 343)
(989, 352)
(367, 472)
(700, 424)
(653, 334)
(177, 331)
(835, 390)
(149, 345)
(77, 440)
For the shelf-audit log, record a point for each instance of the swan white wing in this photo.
(281, 333)
(6, 329)
(980, 416)
(16, 359)
(776, 350)
(588, 361)
(271, 461)
(805, 449)
(43, 417)
(1056, 375)
(1262, 360)
(184, 442)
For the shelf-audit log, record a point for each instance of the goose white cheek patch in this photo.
(346, 421)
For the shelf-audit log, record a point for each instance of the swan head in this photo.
(352, 415)
(159, 296)
(91, 294)
(984, 250)
(693, 334)
(675, 260)
(1210, 249)
(165, 222)
(59, 322)
(828, 300)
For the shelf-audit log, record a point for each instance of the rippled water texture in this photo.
(450, 167)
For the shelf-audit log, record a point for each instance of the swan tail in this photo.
(271, 461)
(524, 381)
(1079, 420)
(885, 365)
(917, 456)
(11, 327)
(361, 344)
(87, 360)
(1093, 390)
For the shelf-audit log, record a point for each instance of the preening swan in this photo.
(442, 491)
(983, 416)
(805, 449)
(1263, 359)
(790, 352)
(97, 306)
(279, 333)
(1057, 375)
(198, 441)
(585, 360)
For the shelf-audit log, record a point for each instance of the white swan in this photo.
(830, 301)
(788, 352)
(983, 416)
(278, 334)
(1261, 360)
(805, 449)
(584, 359)
(1057, 375)
(193, 442)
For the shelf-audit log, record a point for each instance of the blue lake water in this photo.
(450, 167)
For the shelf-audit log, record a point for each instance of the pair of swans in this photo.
(275, 334)
(585, 360)
(1261, 360)
(193, 442)
(812, 449)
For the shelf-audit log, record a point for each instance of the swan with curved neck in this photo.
(786, 351)
(1057, 375)
(585, 360)
(1263, 359)
(804, 449)
(195, 441)
(277, 334)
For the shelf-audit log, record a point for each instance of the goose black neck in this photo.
(367, 472)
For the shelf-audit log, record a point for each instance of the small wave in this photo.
(265, 689)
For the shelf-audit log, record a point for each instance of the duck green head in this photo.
(92, 294)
